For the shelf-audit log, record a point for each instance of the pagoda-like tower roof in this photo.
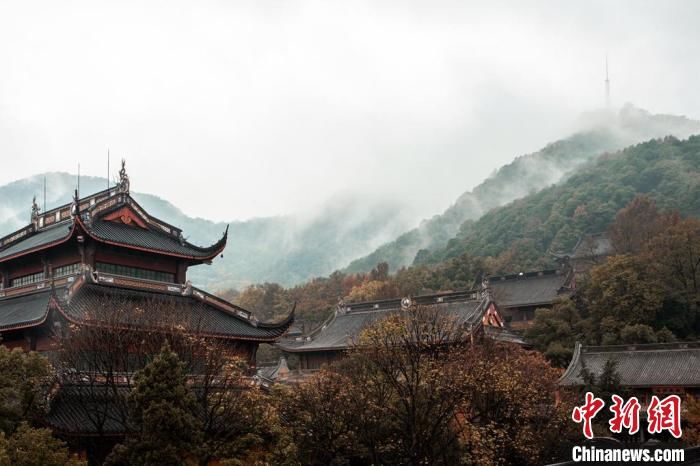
(111, 217)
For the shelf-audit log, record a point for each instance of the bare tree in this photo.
(119, 336)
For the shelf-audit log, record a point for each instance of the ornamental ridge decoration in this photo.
(35, 212)
(124, 184)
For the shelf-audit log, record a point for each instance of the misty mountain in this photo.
(601, 132)
(530, 229)
(285, 249)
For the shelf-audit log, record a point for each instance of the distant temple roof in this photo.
(666, 364)
(343, 328)
(530, 288)
(506, 336)
(111, 216)
(93, 298)
(592, 245)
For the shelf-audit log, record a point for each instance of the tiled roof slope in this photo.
(24, 310)
(147, 238)
(529, 289)
(667, 364)
(52, 234)
(100, 304)
(88, 409)
(345, 325)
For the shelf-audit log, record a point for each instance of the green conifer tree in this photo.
(163, 413)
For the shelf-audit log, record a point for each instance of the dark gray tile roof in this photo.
(271, 372)
(38, 239)
(101, 304)
(343, 328)
(505, 335)
(529, 289)
(24, 310)
(668, 364)
(148, 238)
(88, 409)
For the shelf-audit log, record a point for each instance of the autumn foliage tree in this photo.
(635, 225)
(416, 390)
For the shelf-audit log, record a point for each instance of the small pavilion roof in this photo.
(592, 245)
(530, 288)
(343, 328)
(648, 365)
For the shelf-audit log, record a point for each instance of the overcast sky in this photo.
(238, 109)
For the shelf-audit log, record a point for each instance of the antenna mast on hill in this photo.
(107, 169)
(607, 84)
(43, 208)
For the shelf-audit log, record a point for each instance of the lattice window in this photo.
(70, 269)
(135, 272)
(27, 279)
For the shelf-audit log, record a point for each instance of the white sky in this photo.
(237, 109)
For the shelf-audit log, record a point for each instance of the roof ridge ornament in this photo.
(75, 207)
(35, 212)
(124, 184)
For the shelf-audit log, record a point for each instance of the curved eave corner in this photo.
(571, 367)
(207, 253)
(278, 329)
(312, 335)
(29, 324)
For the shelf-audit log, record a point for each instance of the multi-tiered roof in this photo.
(74, 260)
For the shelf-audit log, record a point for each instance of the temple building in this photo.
(645, 369)
(518, 295)
(73, 264)
(589, 251)
(102, 263)
(473, 311)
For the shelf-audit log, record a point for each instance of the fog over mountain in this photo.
(355, 229)
(273, 107)
(601, 131)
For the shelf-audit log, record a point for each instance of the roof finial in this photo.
(75, 208)
(123, 179)
(35, 211)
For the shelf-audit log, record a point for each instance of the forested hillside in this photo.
(554, 218)
(516, 237)
(604, 132)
